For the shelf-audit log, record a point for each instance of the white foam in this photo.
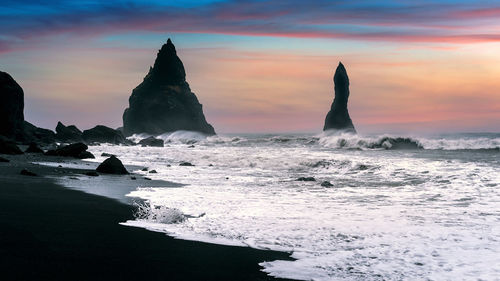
(390, 215)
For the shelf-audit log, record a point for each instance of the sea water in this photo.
(390, 212)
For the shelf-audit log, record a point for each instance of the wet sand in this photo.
(50, 232)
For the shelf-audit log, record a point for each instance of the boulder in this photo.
(85, 155)
(112, 165)
(11, 107)
(68, 133)
(338, 117)
(76, 150)
(103, 134)
(326, 184)
(163, 102)
(151, 141)
(9, 147)
(33, 148)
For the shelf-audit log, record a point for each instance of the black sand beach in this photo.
(49, 232)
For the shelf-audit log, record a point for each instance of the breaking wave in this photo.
(354, 141)
(337, 140)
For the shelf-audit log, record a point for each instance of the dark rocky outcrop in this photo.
(33, 148)
(68, 133)
(76, 150)
(11, 107)
(103, 134)
(9, 147)
(338, 116)
(33, 133)
(151, 141)
(163, 102)
(112, 165)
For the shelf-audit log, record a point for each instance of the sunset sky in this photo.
(262, 66)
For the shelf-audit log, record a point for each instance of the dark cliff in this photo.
(163, 102)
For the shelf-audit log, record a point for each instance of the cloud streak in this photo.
(384, 21)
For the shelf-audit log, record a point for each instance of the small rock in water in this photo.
(59, 166)
(185, 164)
(191, 146)
(112, 165)
(146, 178)
(104, 154)
(4, 160)
(145, 170)
(92, 174)
(151, 141)
(133, 178)
(326, 184)
(210, 165)
(153, 172)
(25, 172)
(306, 179)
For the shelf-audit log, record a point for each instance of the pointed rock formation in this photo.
(338, 116)
(11, 107)
(68, 133)
(163, 102)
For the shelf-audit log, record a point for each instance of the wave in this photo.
(354, 141)
(337, 140)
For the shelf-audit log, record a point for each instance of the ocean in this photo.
(373, 207)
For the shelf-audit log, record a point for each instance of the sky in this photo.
(263, 66)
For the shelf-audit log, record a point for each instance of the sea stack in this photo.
(338, 116)
(163, 102)
(11, 107)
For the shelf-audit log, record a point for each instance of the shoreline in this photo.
(52, 232)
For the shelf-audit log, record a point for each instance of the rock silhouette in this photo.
(33, 133)
(163, 102)
(103, 134)
(11, 107)
(338, 116)
(112, 165)
(151, 141)
(68, 133)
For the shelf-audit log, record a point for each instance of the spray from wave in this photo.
(337, 140)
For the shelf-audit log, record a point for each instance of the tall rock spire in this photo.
(338, 116)
(163, 102)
